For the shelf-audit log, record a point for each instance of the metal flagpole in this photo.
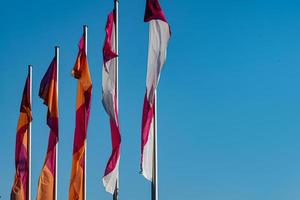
(29, 133)
(154, 185)
(85, 32)
(56, 148)
(116, 5)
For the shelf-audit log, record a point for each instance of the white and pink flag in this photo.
(159, 35)
(109, 101)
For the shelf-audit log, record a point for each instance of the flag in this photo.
(49, 93)
(109, 101)
(20, 188)
(83, 102)
(159, 35)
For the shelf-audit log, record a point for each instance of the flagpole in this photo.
(56, 147)
(154, 185)
(116, 5)
(29, 133)
(85, 32)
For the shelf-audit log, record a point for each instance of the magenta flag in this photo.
(109, 101)
(159, 35)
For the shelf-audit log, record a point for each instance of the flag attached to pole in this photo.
(159, 35)
(109, 100)
(20, 188)
(49, 93)
(83, 102)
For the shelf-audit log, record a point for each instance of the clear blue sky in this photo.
(229, 100)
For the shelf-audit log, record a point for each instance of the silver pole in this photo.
(154, 186)
(85, 31)
(117, 50)
(116, 4)
(56, 148)
(29, 133)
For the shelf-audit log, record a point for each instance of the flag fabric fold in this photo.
(20, 189)
(159, 35)
(83, 102)
(109, 101)
(49, 93)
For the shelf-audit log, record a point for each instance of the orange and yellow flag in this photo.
(20, 189)
(49, 93)
(83, 102)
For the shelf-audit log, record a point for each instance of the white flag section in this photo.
(108, 81)
(159, 35)
(109, 101)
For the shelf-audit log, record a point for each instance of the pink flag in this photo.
(109, 99)
(159, 35)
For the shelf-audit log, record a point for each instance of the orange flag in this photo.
(83, 102)
(49, 93)
(20, 189)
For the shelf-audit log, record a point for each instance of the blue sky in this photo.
(228, 99)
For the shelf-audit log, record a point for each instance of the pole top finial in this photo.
(85, 28)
